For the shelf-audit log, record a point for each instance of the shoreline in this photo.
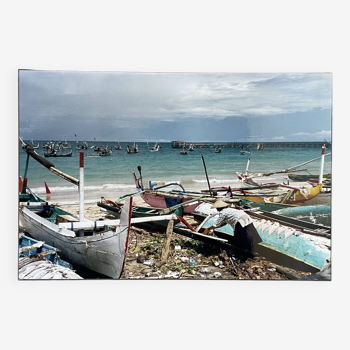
(94, 193)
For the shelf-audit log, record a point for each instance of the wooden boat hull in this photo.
(29, 246)
(143, 212)
(38, 260)
(309, 252)
(267, 206)
(32, 267)
(102, 252)
(298, 196)
(155, 200)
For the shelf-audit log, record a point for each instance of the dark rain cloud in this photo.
(121, 105)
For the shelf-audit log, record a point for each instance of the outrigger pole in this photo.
(297, 166)
(30, 152)
(206, 174)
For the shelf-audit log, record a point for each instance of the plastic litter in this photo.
(192, 262)
(149, 262)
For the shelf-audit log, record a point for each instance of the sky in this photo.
(198, 107)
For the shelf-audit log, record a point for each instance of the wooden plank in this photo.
(167, 241)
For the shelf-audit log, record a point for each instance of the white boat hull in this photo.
(102, 252)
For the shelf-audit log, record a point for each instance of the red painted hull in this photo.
(157, 201)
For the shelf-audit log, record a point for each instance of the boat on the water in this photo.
(53, 152)
(34, 145)
(64, 144)
(104, 153)
(118, 147)
(191, 149)
(84, 145)
(132, 149)
(243, 151)
(155, 148)
(184, 151)
(217, 149)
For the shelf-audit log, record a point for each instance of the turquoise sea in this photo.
(114, 173)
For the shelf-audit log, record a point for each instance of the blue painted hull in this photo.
(302, 248)
(319, 214)
(304, 210)
(48, 251)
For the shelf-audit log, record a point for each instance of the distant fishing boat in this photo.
(260, 146)
(34, 145)
(65, 144)
(83, 145)
(184, 151)
(118, 147)
(217, 149)
(100, 148)
(242, 151)
(191, 149)
(52, 152)
(104, 153)
(155, 148)
(132, 149)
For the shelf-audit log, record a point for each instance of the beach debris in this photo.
(192, 262)
(195, 260)
(149, 262)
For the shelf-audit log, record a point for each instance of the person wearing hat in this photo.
(245, 233)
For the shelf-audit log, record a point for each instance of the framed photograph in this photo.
(177, 176)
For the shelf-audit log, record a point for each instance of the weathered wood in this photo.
(168, 236)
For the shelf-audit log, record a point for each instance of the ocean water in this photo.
(113, 174)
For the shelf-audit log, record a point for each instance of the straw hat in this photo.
(220, 204)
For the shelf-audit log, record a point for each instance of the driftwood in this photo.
(168, 236)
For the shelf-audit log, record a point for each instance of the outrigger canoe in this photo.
(287, 241)
(156, 197)
(100, 248)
